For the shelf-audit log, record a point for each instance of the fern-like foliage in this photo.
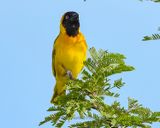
(86, 97)
(156, 1)
(153, 37)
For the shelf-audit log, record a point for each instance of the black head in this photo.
(71, 23)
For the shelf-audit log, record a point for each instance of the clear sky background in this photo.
(27, 32)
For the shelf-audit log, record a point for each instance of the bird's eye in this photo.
(66, 17)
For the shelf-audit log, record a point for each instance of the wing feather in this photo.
(53, 57)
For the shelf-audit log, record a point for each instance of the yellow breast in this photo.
(71, 52)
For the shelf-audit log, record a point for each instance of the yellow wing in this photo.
(53, 58)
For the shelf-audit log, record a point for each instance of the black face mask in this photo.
(71, 23)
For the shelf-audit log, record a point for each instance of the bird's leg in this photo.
(69, 74)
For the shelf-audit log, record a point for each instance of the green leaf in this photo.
(47, 119)
(118, 83)
(88, 97)
(153, 37)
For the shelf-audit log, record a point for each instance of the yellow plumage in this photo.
(69, 53)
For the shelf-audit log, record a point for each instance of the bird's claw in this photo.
(69, 74)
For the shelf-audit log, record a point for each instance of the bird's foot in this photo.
(69, 74)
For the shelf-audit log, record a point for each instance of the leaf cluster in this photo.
(157, 1)
(86, 97)
(153, 37)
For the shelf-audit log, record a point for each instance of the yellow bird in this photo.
(69, 53)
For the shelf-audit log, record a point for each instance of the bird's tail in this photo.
(59, 90)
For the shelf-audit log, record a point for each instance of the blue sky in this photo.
(28, 29)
